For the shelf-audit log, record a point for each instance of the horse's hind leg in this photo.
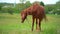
(33, 18)
(40, 23)
(37, 24)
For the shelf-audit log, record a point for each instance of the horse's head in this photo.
(23, 16)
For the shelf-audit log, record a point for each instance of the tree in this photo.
(27, 4)
(0, 7)
(49, 8)
(22, 1)
(58, 5)
(57, 8)
(10, 10)
(41, 3)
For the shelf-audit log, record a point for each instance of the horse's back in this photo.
(39, 13)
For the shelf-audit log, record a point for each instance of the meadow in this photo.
(11, 24)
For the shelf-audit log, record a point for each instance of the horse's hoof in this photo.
(37, 30)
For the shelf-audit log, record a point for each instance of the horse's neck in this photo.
(29, 10)
(32, 9)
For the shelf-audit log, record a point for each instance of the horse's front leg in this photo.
(33, 18)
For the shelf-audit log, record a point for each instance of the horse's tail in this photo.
(45, 17)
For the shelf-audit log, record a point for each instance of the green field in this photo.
(11, 24)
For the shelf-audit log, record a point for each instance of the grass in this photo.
(11, 24)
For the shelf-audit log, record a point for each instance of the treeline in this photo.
(17, 8)
(53, 8)
(13, 8)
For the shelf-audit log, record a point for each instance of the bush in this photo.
(9, 10)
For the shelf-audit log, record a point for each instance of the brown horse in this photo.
(37, 12)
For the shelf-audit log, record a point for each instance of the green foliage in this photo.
(22, 1)
(50, 8)
(5, 7)
(56, 11)
(27, 4)
(54, 8)
(57, 8)
(9, 10)
(4, 10)
(19, 7)
(41, 3)
(0, 7)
